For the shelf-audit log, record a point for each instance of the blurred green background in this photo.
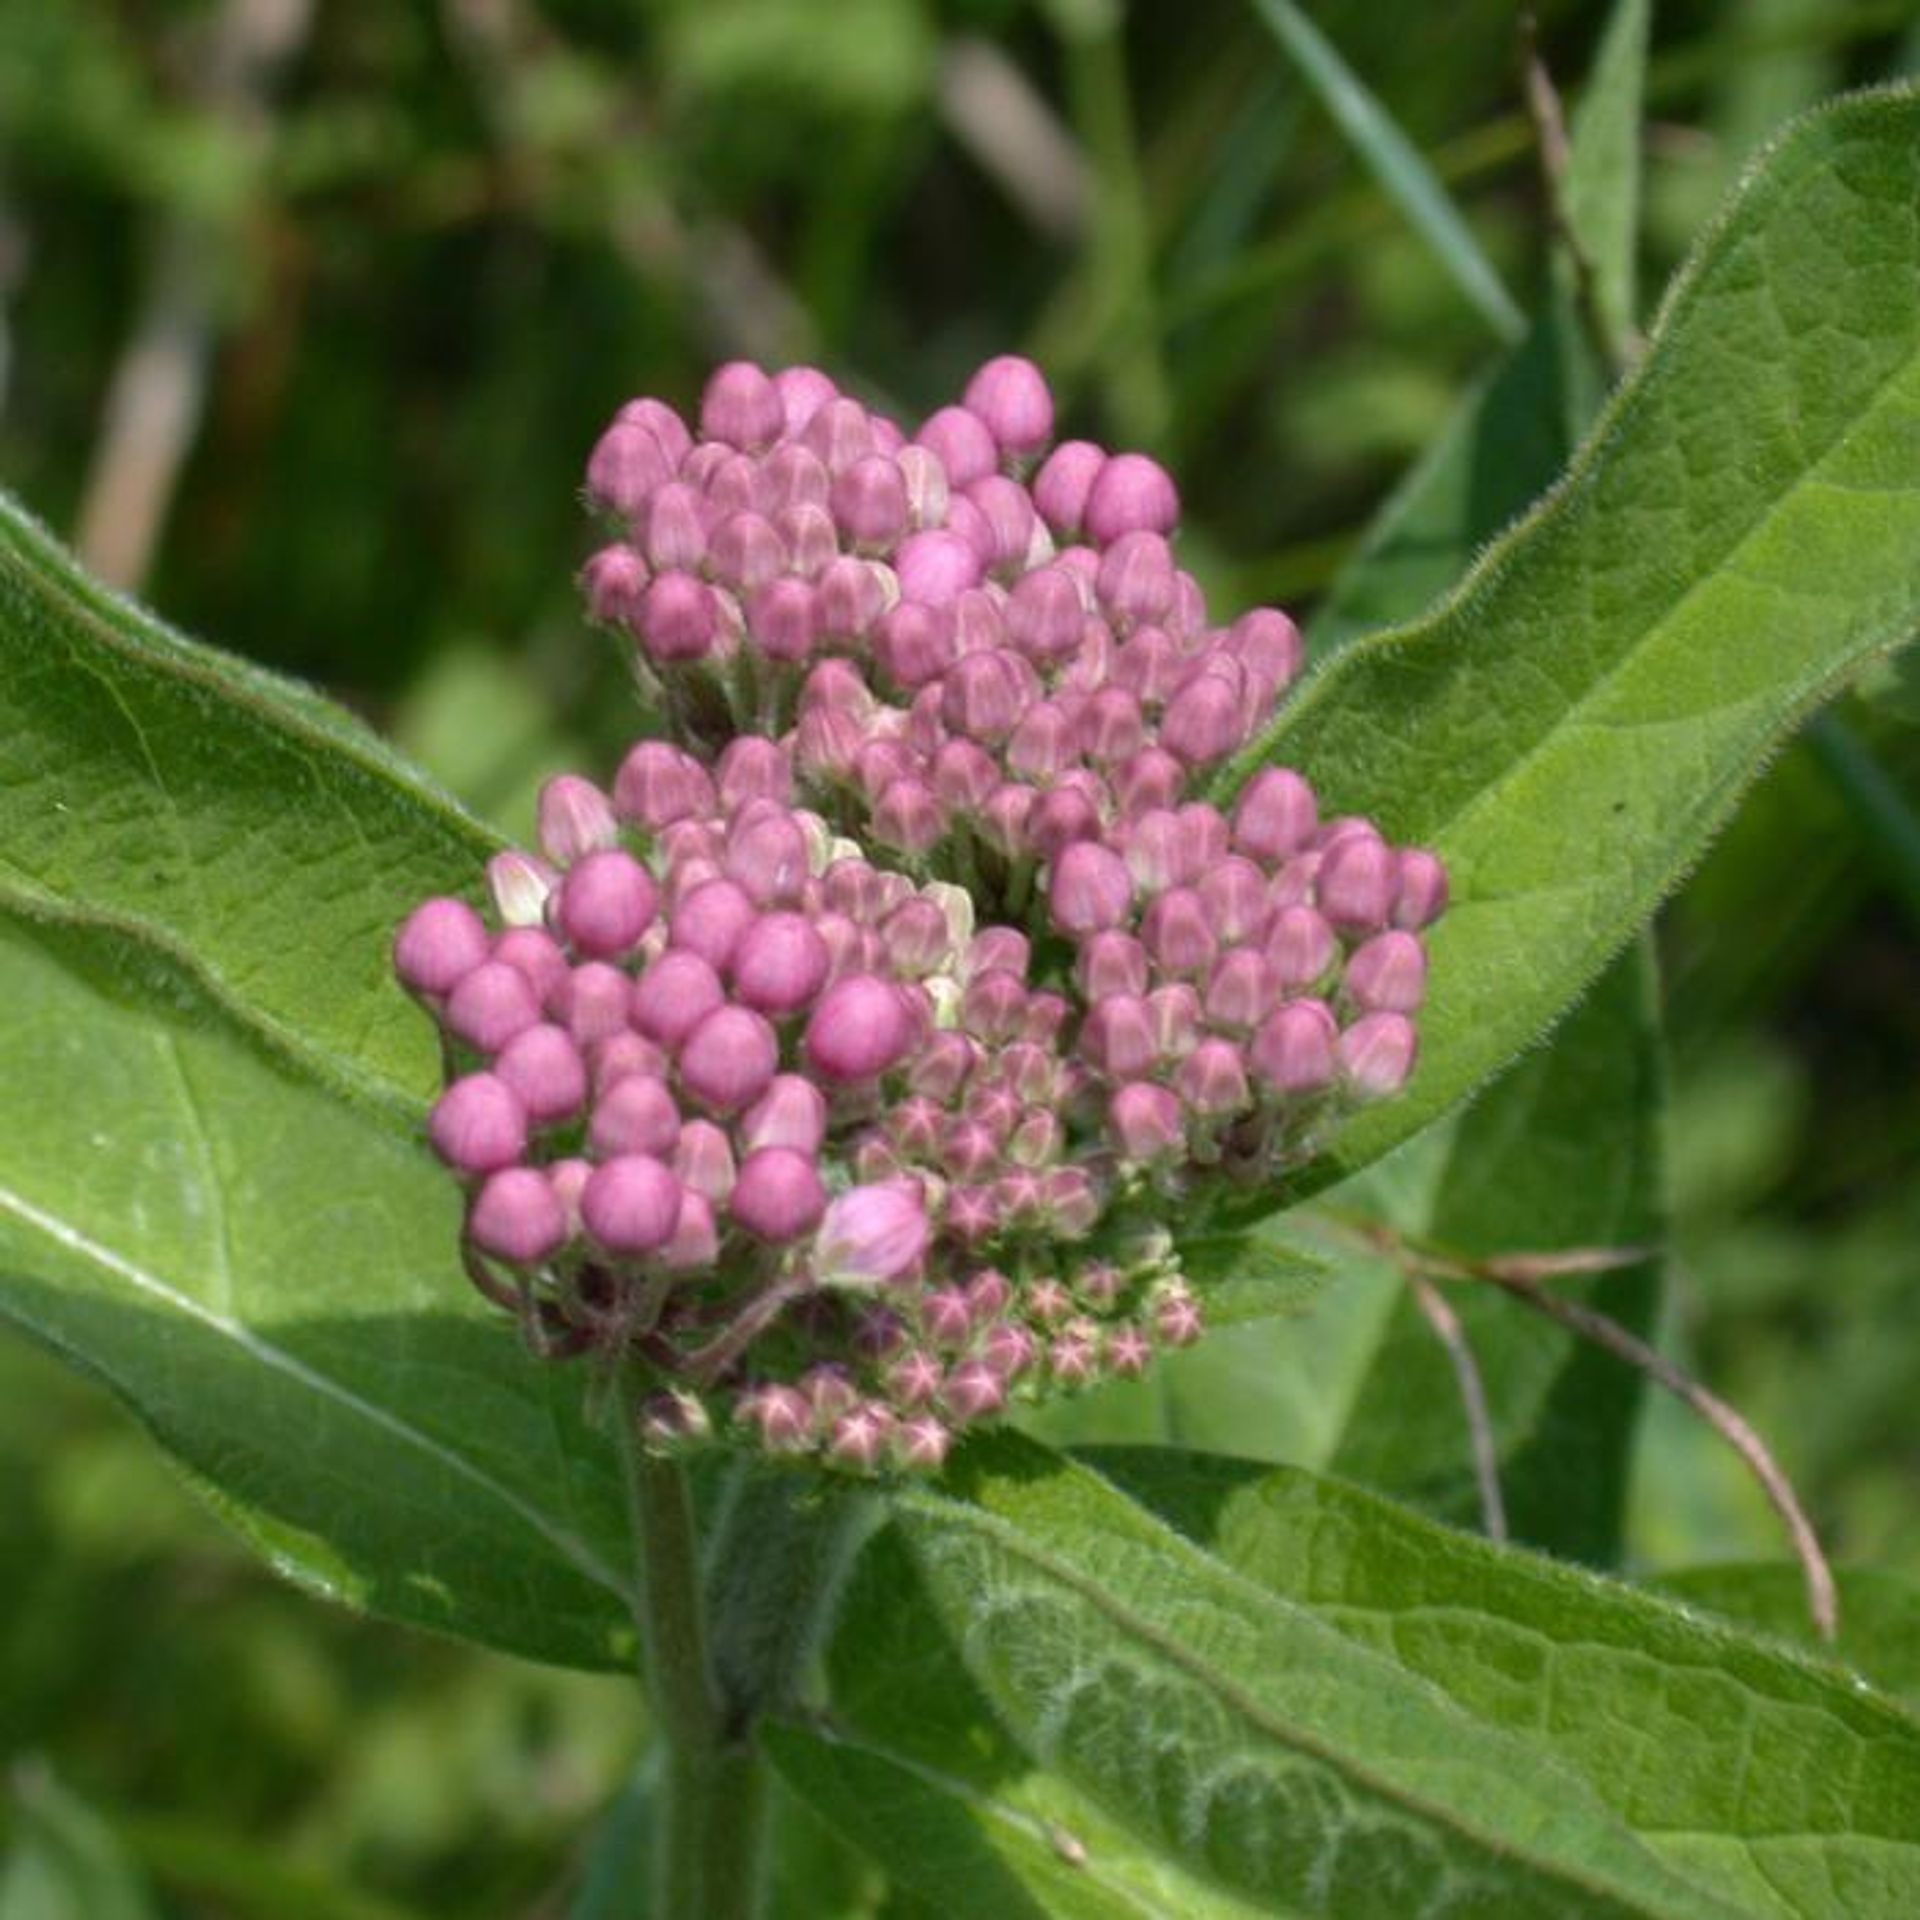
(309, 312)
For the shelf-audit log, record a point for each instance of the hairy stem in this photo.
(711, 1828)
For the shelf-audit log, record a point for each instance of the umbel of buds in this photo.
(746, 1088)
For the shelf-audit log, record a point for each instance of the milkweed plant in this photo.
(772, 1228)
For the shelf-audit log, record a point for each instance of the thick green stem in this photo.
(711, 1827)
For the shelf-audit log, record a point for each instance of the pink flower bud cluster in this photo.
(845, 1170)
(978, 650)
(1243, 977)
(725, 1092)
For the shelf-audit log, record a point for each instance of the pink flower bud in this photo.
(575, 819)
(1037, 1141)
(1003, 819)
(662, 422)
(1293, 1050)
(626, 464)
(962, 443)
(703, 1161)
(860, 1028)
(1064, 482)
(635, 1115)
(678, 619)
(1006, 522)
(841, 432)
(780, 963)
(1175, 1014)
(620, 1053)
(767, 854)
(781, 1416)
(676, 529)
(914, 1377)
(1357, 882)
(935, 567)
(728, 1061)
(521, 886)
(1009, 396)
(592, 1002)
(478, 1125)
(674, 995)
(1176, 932)
(745, 552)
(778, 1195)
(1059, 819)
(1118, 1036)
(1376, 1054)
(1130, 493)
(1111, 728)
(742, 407)
(606, 902)
(1128, 1352)
(812, 545)
(783, 620)
(1266, 643)
(658, 784)
(1388, 974)
(973, 1391)
(1070, 1360)
(515, 1216)
(943, 1066)
(535, 953)
(492, 1004)
(848, 599)
(1148, 782)
(1241, 991)
(791, 1113)
(1275, 815)
(1300, 946)
(709, 921)
(1208, 717)
(1423, 889)
(946, 1318)
(1212, 1079)
(869, 503)
(1089, 889)
(871, 1234)
(792, 476)
(861, 1438)
(907, 817)
(614, 581)
(1144, 1121)
(1046, 615)
(993, 1006)
(631, 1205)
(984, 695)
(544, 1068)
(438, 945)
(1135, 581)
(1008, 1348)
(1234, 893)
(803, 392)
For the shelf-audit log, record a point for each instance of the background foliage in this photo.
(398, 287)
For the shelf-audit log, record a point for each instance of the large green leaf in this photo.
(1785, 1785)
(264, 1272)
(1742, 530)
(229, 819)
(1879, 1612)
(1231, 1730)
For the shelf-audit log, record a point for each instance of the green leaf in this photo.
(265, 1273)
(1741, 532)
(1396, 163)
(1785, 1786)
(916, 1771)
(1239, 1735)
(1561, 1153)
(1879, 1613)
(231, 820)
(1603, 169)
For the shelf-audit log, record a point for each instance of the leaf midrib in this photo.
(276, 1359)
(1021, 1546)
